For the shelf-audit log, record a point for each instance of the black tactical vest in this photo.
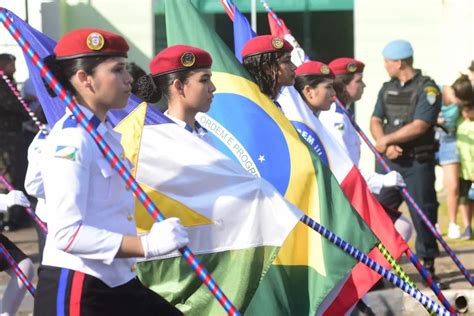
(399, 108)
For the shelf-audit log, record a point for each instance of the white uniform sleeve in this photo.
(33, 179)
(66, 177)
(3, 203)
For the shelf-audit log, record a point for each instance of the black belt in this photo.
(421, 153)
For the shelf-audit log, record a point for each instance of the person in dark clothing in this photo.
(403, 126)
(12, 147)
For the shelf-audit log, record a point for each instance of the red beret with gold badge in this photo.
(314, 68)
(345, 65)
(90, 42)
(266, 44)
(179, 57)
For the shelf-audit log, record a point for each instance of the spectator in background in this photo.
(28, 94)
(12, 147)
(465, 143)
(454, 97)
(471, 73)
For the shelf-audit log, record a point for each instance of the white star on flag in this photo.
(261, 158)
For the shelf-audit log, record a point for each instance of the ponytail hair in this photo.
(147, 90)
(152, 88)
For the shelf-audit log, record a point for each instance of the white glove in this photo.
(13, 197)
(393, 179)
(164, 237)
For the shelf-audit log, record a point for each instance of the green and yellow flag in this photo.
(251, 130)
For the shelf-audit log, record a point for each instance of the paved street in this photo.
(385, 302)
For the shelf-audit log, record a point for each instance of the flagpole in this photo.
(426, 276)
(253, 15)
(42, 127)
(19, 273)
(406, 195)
(395, 265)
(28, 209)
(114, 160)
(228, 4)
(432, 284)
(401, 273)
(363, 258)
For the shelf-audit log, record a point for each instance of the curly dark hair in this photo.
(264, 69)
(136, 72)
(152, 88)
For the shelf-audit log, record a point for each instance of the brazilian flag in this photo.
(250, 129)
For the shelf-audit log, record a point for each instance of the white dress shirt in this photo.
(90, 208)
(198, 130)
(340, 126)
(33, 179)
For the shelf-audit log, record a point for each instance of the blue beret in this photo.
(398, 49)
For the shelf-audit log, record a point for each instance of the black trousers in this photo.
(419, 178)
(64, 292)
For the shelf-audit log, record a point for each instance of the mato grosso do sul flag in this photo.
(249, 128)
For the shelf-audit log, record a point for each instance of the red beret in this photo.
(266, 44)
(90, 42)
(345, 65)
(314, 68)
(179, 57)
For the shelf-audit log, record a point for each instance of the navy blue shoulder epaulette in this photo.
(70, 122)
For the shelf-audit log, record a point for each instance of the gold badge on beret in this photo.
(277, 43)
(324, 70)
(188, 59)
(95, 41)
(351, 67)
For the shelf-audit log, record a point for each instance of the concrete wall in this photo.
(441, 32)
(132, 19)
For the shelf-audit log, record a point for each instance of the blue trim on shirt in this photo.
(188, 128)
(42, 135)
(199, 127)
(70, 122)
(95, 121)
(339, 110)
